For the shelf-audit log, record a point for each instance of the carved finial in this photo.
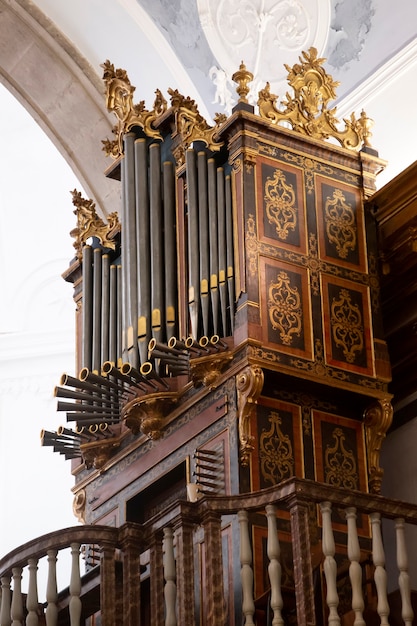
(89, 224)
(307, 111)
(366, 124)
(242, 77)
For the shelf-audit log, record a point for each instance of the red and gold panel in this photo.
(282, 206)
(285, 307)
(340, 457)
(347, 326)
(340, 219)
(278, 447)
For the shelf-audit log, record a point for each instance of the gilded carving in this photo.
(89, 224)
(146, 414)
(249, 385)
(284, 308)
(340, 463)
(97, 453)
(78, 505)
(207, 370)
(251, 246)
(242, 77)
(340, 223)
(275, 452)
(280, 204)
(307, 112)
(346, 325)
(119, 100)
(378, 419)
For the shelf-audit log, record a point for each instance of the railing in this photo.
(162, 551)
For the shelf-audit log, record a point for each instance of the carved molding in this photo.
(79, 505)
(146, 414)
(249, 385)
(378, 419)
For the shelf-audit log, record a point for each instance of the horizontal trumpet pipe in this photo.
(62, 392)
(92, 418)
(75, 434)
(161, 347)
(192, 345)
(168, 358)
(71, 381)
(204, 342)
(176, 343)
(89, 376)
(148, 370)
(83, 408)
(216, 341)
(135, 374)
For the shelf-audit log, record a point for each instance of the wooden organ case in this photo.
(229, 329)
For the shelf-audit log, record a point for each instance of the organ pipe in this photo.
(170, 249)
(203, 223)
(193, 241)
(143, 246)
(157, 242)
(87, 312)
(214, 244)
(230, 251)
(105, 309)
(222, 246)
(97, 310)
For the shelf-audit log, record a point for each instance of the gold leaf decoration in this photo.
(284, 308)
(275, 452)
(89, 224)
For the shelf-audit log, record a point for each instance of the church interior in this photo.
(215, 327)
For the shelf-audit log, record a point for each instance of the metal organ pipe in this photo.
(143, 246)
(170, 249)
(230, 254)
(203, 223)
(222, 245)
(105, 308)
(87, 331)
(129, 253)
(214, 245)
(97, 281)
(113, 315)
(193, 241)
(157, 242)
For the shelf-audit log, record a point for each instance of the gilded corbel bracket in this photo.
(378, 419)
(249, 385)
(97, 453)
(79, 505)
(307, 112)
(147, 414)
(89, 224)
(207, 370)
(119, 100)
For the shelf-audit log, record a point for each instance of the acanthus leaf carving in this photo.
(249, 385)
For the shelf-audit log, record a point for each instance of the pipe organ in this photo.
(231, 311)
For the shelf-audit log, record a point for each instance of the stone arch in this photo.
(61, 91)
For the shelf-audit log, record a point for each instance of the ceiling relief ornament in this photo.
(260, 32)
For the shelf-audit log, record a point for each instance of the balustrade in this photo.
(172, 592)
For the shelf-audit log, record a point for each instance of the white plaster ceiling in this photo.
(370, 46)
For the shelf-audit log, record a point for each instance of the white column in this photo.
(246, 572)
(32, 597)
(5, 602)
(274, 567)
(17, 599)
(355, 570)
(170, 589)
(75, 586)
(330, 566)
(407, 612)
(378, 557)
(51, 613)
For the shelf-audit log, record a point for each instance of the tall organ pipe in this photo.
(193, 242)
(203, 222)
(105, 308)
(120, 304)
(113, 315)
(221, 208)
(143, 247)
(170, 250)
(97, 278)
(230, 254)
(157, 243)
(129, 254)
(214, 245)
(87, 334)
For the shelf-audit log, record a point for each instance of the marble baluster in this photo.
(380, 575)
(32, 597)
(355, 570)
(51, 613)
(246, 572)
(17, 612)
(274, 566)
(170, 589)
(330, 566)
(407, 612)
(75, 586)
(5, 601)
